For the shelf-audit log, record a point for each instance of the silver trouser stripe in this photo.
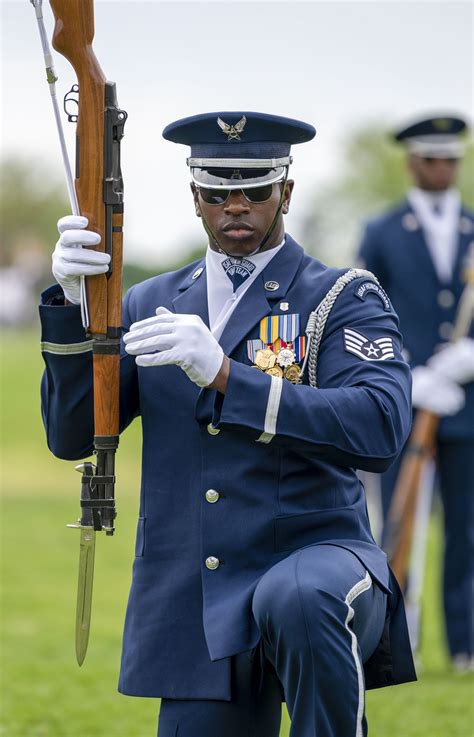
(271, 414)
(66, 349)
(355, 591)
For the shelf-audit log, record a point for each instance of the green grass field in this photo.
(43, 692)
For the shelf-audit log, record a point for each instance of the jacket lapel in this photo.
(419, 256)
(465, 243)
(260, 299)
(192, 295)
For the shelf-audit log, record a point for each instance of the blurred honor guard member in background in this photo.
(256, 577)
(420, 252)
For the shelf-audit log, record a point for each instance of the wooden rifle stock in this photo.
(72, 37)
(99, 188)
(401, 516)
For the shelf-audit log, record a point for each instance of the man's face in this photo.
(434, 175)
(239, 226)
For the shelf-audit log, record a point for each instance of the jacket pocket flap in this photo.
(298, 530)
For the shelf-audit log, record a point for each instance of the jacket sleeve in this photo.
(67, 404)
(360, 414)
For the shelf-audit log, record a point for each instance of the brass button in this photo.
(212, 430)
(212, 496)
(212, 563)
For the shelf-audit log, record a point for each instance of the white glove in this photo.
(178, 339)
(455, 361)
(71, 260)
(436, 393)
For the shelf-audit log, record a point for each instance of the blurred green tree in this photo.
(30, 204)
(31, 201)
(372, 177)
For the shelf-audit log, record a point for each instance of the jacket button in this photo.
(212, 430)
(212, 563)
(409, 222)
(445, 330)
(445, 298)
(212, 496)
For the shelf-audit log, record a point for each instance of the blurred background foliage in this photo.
(372, 175)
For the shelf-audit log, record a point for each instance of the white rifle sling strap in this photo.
(51, 78)
(318, 318)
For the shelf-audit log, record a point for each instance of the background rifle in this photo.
(420, 448)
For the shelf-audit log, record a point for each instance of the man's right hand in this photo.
(71, 260)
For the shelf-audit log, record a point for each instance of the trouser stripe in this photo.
(359, 588)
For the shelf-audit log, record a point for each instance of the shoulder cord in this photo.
(318, 318)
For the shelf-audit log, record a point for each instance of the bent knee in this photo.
(283, 598)
(275, 593)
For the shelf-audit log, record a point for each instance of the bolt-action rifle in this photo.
(96, 193)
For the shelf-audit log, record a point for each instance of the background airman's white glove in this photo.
(436, 393)
(170, 338)
(71, 260)
(455, 361)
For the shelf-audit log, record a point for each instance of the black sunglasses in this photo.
(220, 196)
(432, 159)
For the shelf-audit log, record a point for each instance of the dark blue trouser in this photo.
(455, 462)
(320, 617)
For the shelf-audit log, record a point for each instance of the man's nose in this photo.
(237, 203)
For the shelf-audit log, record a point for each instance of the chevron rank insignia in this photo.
(380, 349)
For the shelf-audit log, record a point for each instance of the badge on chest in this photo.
(280, 349)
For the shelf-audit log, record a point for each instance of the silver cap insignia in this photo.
(232, 131)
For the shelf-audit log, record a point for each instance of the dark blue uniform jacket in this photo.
(394, 249)
(278, 491)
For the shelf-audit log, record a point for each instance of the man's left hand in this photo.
(170, 338)
(455, 361)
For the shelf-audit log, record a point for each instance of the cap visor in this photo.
(236, 178)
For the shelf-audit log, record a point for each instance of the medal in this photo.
(293, 374)
(285, 357)
(275, 371)
(265, 359)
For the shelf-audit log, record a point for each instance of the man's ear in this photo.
(197, 206)
(287, 196)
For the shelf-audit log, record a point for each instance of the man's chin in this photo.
(239, 242)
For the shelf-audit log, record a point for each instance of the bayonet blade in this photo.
(84, 591)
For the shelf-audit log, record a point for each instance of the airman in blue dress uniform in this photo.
(256, 578)
(421, 251)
